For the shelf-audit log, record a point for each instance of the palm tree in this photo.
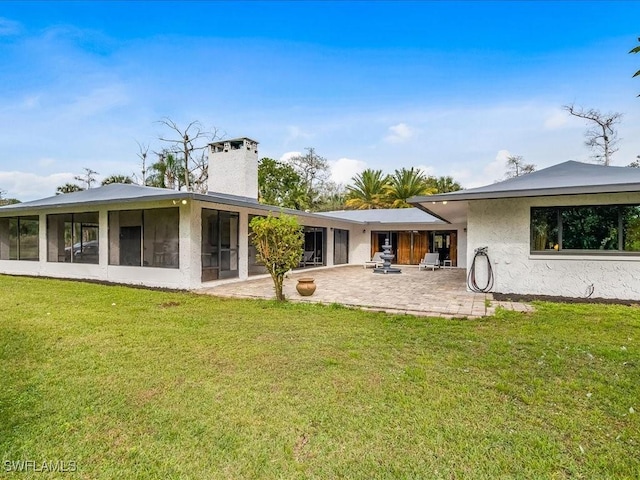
(68, 188)
(368, 190)
(167, 172)
(444, 184)
(117, 179)
(407, 183)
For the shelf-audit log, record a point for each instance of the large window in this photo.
(148, 238)
(583, 229)
(19, 238)
(73, 238)
(340, 246)
(219, 244)
(314, 247)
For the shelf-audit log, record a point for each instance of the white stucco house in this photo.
(569, 230)
(164, 238)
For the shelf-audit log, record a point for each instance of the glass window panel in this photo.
(59, 237)
(225, 260)
(544, 229)
(590, 228)
(4, 238)
(161, 237)
(29, 238)
(631, 228)
(19, 238)
(13, 239)
(225, 230)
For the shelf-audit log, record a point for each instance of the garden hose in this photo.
(480, 252)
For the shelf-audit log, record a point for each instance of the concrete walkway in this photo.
(440, 293)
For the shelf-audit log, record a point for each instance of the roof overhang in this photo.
(452, 207)
(447, 211)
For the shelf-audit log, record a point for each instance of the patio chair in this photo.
(430, 260)
(307, 258)
(375, 262)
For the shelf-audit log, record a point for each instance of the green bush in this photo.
(279, 242)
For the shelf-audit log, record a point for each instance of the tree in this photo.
(332, 197)
(443, 184)
(167, 172)
(88, 178)
(602, 137)
(7, 201)
(314, 174)
(516, 166)
(189, 142)
(368, 190)
(279, 243)
(279, 184)
(636, 50)
(143, 151)
(406, 183)
(117, 179)
(68, 188)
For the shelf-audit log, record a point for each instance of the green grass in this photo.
(132, 383)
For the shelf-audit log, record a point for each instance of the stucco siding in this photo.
(503, 226)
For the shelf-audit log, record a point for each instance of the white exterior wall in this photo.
(188, 275)
(503, 226)
(176, 278)
(234, 171)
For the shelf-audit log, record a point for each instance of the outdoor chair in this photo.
(375, 262)
(430, 260)
(309, 258)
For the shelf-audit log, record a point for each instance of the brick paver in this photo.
(439, 293)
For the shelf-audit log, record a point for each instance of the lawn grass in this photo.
(131, 383)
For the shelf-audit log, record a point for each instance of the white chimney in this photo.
(233, 167)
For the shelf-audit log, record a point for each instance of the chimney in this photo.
(233, 167)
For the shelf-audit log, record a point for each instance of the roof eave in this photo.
(539, 192)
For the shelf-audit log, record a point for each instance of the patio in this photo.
(440, 293)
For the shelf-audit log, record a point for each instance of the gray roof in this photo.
(390, 215)
(568, 178)
(118, 193)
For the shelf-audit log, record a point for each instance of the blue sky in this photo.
(450, 87)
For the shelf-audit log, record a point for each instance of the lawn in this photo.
(116, 382)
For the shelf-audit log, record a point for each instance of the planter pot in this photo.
(305, 286)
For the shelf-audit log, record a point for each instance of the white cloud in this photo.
(46, 162)
(98, 100)
(344, 169)
(285, 157)
(557, 119)
(399, 133)
(426, 169)
(495, 170)
(31, 102)
(9, 27)
(29, 186)
(295, 134)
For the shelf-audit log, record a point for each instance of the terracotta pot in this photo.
(305, 286)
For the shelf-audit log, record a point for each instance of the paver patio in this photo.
(417, 292)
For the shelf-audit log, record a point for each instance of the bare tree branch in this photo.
(602, 137)
(88, 178)
(188, 143)
(143, 150)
